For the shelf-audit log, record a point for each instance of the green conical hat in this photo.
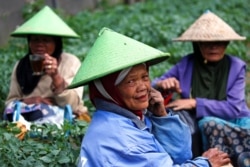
(45, 22)
(113, 52)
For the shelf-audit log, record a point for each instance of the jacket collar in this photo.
(111, 107)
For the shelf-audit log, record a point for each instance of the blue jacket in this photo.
(117, 138)
(234, 107)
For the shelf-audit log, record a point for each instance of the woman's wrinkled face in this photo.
(41, 44)
(134, 89)
(213, 51)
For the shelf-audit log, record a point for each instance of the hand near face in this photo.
(50, 65)
(216, 157)
(51, 69)
(156, 103)
(169, 84)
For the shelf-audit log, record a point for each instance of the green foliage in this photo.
(31, 8)
(43, 146)
(154, 22)
(9, 56)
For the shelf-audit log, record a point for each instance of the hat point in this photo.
(207, 11)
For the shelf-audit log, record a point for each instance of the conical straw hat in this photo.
(209, 27)
(112, 52)
(45, 22)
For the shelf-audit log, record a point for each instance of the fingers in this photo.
(155, 96)
(50, 64)
(216, 157)
(156, 103)
(176, 105)
(170, 84)
(176, 108)
(153, 90)
(180, 104)
(154, 93)
(48, 101)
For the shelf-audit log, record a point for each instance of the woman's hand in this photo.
(50, 65)
(181, 104)
(38, 100)
(216, 157)
(169, 84)
(51, 69)
(156, 103)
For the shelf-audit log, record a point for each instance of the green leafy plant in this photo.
(44, 145)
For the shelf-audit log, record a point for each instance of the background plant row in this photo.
(154, 22)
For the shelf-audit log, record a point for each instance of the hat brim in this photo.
(100, 75)
(189, 39)
(25, 35)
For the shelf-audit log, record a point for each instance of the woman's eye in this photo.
(131, 82)
(145, 77)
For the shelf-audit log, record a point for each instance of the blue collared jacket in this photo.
(117, 138)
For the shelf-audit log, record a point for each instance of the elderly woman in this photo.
(130, 119)
(43, 96)
(211, 85)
